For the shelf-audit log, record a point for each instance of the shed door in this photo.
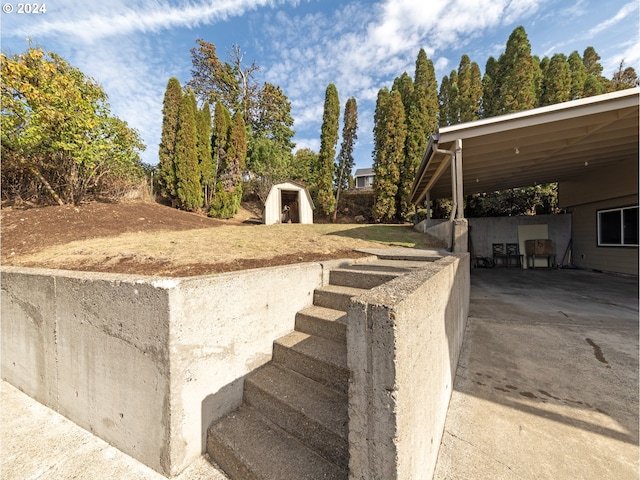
(290, 206)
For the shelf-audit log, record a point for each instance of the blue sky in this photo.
(132, 47)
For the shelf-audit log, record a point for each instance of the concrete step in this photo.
(381, 266)
(412, 256)
(317, 358)
(249, 447)
(358, 278)
(309, 411)
(335, 296)
(323, 322)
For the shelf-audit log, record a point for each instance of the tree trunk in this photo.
(44, 181)
(338, 190)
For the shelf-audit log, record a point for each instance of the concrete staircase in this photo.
(293, 423)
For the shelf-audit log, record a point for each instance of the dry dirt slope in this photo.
(152, 239)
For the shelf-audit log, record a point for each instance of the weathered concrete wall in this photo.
(222, 328)
(488, 230)
(146, 363)
(404, 339)
(95, 348)
(442, 229)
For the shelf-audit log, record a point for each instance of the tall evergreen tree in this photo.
(219, 136)
(345, 157)
(228, 194)
(443, 100)
(453, 112)
(166, 167)
(593, 86)
(273, 118)
(578, 75)
(219, 144)
(412, 102)
(591, 61)
(389, 139)
(469, 90)
(328, 141)
(556, 84)
(265, 109)
(188, 188)
(425, 91)
(421, 109)
(595, 83)
(385, 182)
(205, 159)
(517, 75)
(404, 85)
(490, 89)
(538, 75)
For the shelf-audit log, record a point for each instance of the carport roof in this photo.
(541, 145)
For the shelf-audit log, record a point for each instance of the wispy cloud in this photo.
(132, 47)
(361, 49)
(133, 79)
(98, 20)
(625, 11)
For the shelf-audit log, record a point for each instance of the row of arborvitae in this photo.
(413, 110)
(201, 164)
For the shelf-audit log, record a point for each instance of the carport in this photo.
(589, 146)
(547, 382)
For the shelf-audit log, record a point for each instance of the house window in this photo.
(618, 227)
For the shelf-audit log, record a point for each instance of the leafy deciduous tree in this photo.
(57, 127)
(625, 77)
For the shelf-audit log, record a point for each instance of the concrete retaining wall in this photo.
(404, 339)
(486, 231)
(442, 229)
(146, 363)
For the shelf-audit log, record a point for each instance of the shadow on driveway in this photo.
(547, 382)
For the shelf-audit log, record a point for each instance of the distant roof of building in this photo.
(364, 172)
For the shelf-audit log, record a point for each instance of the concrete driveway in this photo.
(547, 384)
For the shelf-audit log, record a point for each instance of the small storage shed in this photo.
(288, 203)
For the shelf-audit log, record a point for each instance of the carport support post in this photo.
(427, 202)
(458, 173)
(460, 224)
